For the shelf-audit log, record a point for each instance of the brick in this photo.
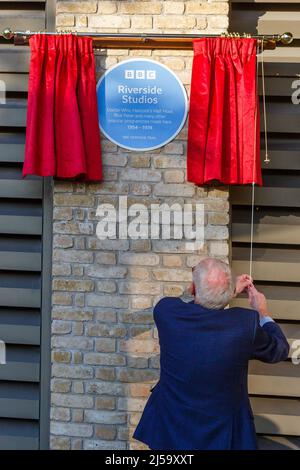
(61, 356)
(114, 160)
(115, 272)
(72, 256)
(171, 8)
(105, 403)
(141, 174)
(77, 416)
(76, 444)
(141, 302)
(109, 21)
(61, 298)
(138, 287)
(105, 345)
(137, 375)
(105, 417)
(65, 20)
(172, 275)
(68, 313)
(80, 200)
(62, 241)
(140, 22)
(110, 331)
(105, 316)
(147, 259)
(71, 429)
(60, 386)
(104, 445)
(216, 233)
(62, 213)
(140, 390)
(72, 342)
(133, 8)
(98, 300)
(73, 228)
(61, 269)
(105, 388)
(71, 401)
(173, 290)
(106, 432)
(60, 443)
(218, 218)
(172, 261)
(137, 362)
(136, 317)
(218, 22)
(81, 21)
(77, 7)
(78, 386)
(104, 359)
(106, 258)
(184, 190)
(61, 327)
(165, 161)
(105, 373)
(139, 346)
(131, 404)
(106, 7)
(106, 286)
(140, 189)
(72, 285)
(206, 8)
(72, 372)
(140, 161)
(218, 248)
(174, 176)
(140, 245)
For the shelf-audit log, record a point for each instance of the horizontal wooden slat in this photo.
(21, 225)
(19, 408)
(20, 334)
(20, 371)
(13, 113)
(278, 443)
(19, 443)
(20, 261)
(266, 233)
(12, 147)
(15, 82)
(30, 189)
(279, 309)
(258, 21)
(283, 197)
(276, 86)
(14, 59)
(270, 271)
(282, 379)
(281, 160)
(276, 416)
(30, 298)
(282, 117)
(16, 19)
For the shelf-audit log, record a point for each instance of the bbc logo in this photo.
(140, 74)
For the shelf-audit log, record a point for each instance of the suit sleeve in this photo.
(269, 344)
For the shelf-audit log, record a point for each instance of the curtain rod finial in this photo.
(7, 33)
(286, 38)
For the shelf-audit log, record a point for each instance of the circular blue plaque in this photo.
(142, 104)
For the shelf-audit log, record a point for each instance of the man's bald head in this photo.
(214, 286)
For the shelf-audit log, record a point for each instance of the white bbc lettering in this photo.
(151, 74)
(129, 74)
(140, 74)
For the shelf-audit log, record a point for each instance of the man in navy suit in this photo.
(201, 400)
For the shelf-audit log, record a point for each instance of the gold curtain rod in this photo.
(148, 40)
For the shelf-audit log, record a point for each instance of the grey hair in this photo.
(214, 283)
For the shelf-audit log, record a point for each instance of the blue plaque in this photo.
(142, 104)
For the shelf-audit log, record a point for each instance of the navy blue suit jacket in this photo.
(201, 400)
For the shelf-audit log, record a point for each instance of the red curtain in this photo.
(63, 136)
(223, 135)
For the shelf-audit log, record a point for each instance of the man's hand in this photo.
(242, 282)
(257, 301)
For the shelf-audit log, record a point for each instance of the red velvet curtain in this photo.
(223, 135)
(62, 137)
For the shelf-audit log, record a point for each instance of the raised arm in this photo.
(269, 344)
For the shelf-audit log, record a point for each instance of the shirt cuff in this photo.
(264, 320)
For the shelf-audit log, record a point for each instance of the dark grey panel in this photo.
(264, 196)
(17, 19)
(25, 189)
(14, 59)
(30, 298)
(13, 113)
(17, 82)
(20, 371)
(20, 225)
(20, 334)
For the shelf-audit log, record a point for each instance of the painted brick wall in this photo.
(105, 355)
